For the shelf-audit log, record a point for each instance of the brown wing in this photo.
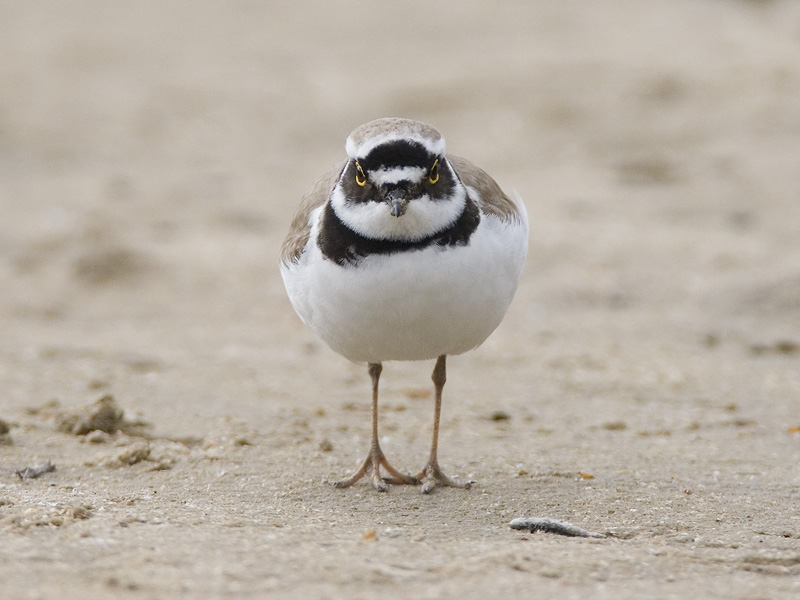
(493, 200)
(300, 229)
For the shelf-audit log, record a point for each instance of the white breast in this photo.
(413, 305)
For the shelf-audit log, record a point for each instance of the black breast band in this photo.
(345, 247)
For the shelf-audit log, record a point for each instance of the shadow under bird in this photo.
(403, 252)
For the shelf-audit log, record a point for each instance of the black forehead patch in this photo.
(397, 153)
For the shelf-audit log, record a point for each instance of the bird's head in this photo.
(397, 183)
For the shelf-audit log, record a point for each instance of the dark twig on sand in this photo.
(552, 526)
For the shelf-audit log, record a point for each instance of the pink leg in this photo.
(376, 459)
(431, 474)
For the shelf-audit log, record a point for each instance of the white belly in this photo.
(412, 305)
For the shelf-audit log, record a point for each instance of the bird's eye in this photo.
(361, 178)
(433, 174)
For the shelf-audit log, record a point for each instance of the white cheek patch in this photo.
(389, 176)
(423, 217)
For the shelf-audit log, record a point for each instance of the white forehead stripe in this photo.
(354, 151)
(389, 176)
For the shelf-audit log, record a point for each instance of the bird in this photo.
(403, 252)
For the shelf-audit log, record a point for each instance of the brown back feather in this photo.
(300, 229)
(493, 199)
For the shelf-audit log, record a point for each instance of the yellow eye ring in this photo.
(361, 178)
(433, 174)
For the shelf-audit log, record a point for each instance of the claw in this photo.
(432, 476)
(372, 465)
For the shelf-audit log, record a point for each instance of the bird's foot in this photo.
(372, 465)
(431, 476)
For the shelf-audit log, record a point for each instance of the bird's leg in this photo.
(376, 459)
(431, 474)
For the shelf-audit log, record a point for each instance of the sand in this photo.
(645, 384)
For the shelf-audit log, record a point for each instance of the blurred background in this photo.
(152, 154)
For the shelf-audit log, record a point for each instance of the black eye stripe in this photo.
(441, 190)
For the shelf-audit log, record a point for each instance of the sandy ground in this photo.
(645, 383)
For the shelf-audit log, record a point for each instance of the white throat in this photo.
(423, 218)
